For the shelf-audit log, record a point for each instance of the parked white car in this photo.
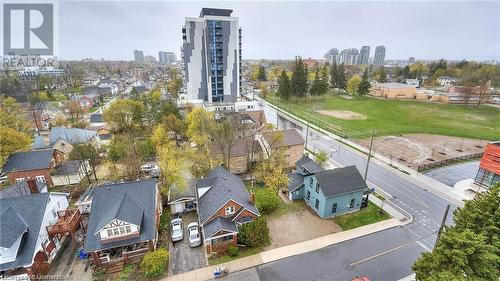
(150, 168)
(176, 230)
(194, 234)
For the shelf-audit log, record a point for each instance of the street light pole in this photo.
(277, 116)
(369, 155)
(307, 129)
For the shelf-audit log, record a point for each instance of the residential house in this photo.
(242, 153)
(289, 142)
(59, 137)
(84, 103)
(412, 82)
(96, 119)
(123, 223)
(224, 204)
(446, 80)
(35, 164)
(329, 193)
(28, 241)
(23, 188)
(182, 199)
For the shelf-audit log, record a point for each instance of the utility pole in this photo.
(369, 155)
(277, 116)
(442, 224)
(307, 129)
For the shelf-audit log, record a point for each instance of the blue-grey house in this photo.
(328, 192)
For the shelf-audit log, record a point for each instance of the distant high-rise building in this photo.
(150, 59)
(364, 55)
(379, 57)
(331, 56)
(411, 60)
(211, 55)
(348, 56)
(166, 58)
(138, 56)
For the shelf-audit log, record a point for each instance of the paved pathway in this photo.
(450, 175)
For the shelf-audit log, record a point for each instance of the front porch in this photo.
(114, 259)
(218, 244)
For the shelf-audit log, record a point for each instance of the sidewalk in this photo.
(287, 251)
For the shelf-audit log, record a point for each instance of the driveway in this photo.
(184, 258)
(67, 266)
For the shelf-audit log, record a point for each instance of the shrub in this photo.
(233, 251)
(154, 263)
(266, 200)
(255, 233)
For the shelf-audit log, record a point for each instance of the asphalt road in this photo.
(386, 255)
(450, 175)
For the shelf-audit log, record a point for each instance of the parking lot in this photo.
(182, 257)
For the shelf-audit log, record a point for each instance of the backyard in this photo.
(356, 117)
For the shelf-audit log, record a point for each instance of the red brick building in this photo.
(489, 167)
(36, 164)
(224, 204)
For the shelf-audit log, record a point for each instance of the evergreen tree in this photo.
(341, 77)
(324, 81)
(316, 84)
(333, 76)
(406, 72)
(364, 87)
(299, 79)
(382, 75)
(284, 90)
(261, 74)
(469, 250)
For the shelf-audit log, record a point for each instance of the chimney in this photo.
(252, 197)
(32, 185)
(306, 154)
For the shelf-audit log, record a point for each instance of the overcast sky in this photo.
(425, 30)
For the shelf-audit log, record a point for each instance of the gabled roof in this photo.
(217, 225)
(124, 209)
(290, 137)
(307, 164)
(30, 160)
(39, 143)
(31, 210)
(296, 181)
(133, 202)
(12, 227)
(340, 180)
(71, 135)
(224, 186)
(96, 118)
(20, 189)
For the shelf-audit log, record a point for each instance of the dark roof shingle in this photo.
(30, 160)
(340, 180)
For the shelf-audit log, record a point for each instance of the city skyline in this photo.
(154, 26)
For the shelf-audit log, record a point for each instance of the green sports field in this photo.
(396, 117)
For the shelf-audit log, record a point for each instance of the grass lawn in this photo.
(365, 216)
(395, 117)
(244, 252)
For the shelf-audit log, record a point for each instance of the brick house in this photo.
(224, 204)
(27, 247)
(123, 222)
(289, 142)
(37, 164)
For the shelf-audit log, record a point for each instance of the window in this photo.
(116, 232)
(110, 233)
(40, 178)
(310, 182)
(317, 187)
(351, 205)
(316, 204)
(229, 210)
(127, 228)
(334, 208)
(308, 195)
(19, 179)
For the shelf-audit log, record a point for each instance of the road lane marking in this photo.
(423, 246)
(379, 254)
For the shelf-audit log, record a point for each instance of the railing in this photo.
(67, 221)
(448, 161)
